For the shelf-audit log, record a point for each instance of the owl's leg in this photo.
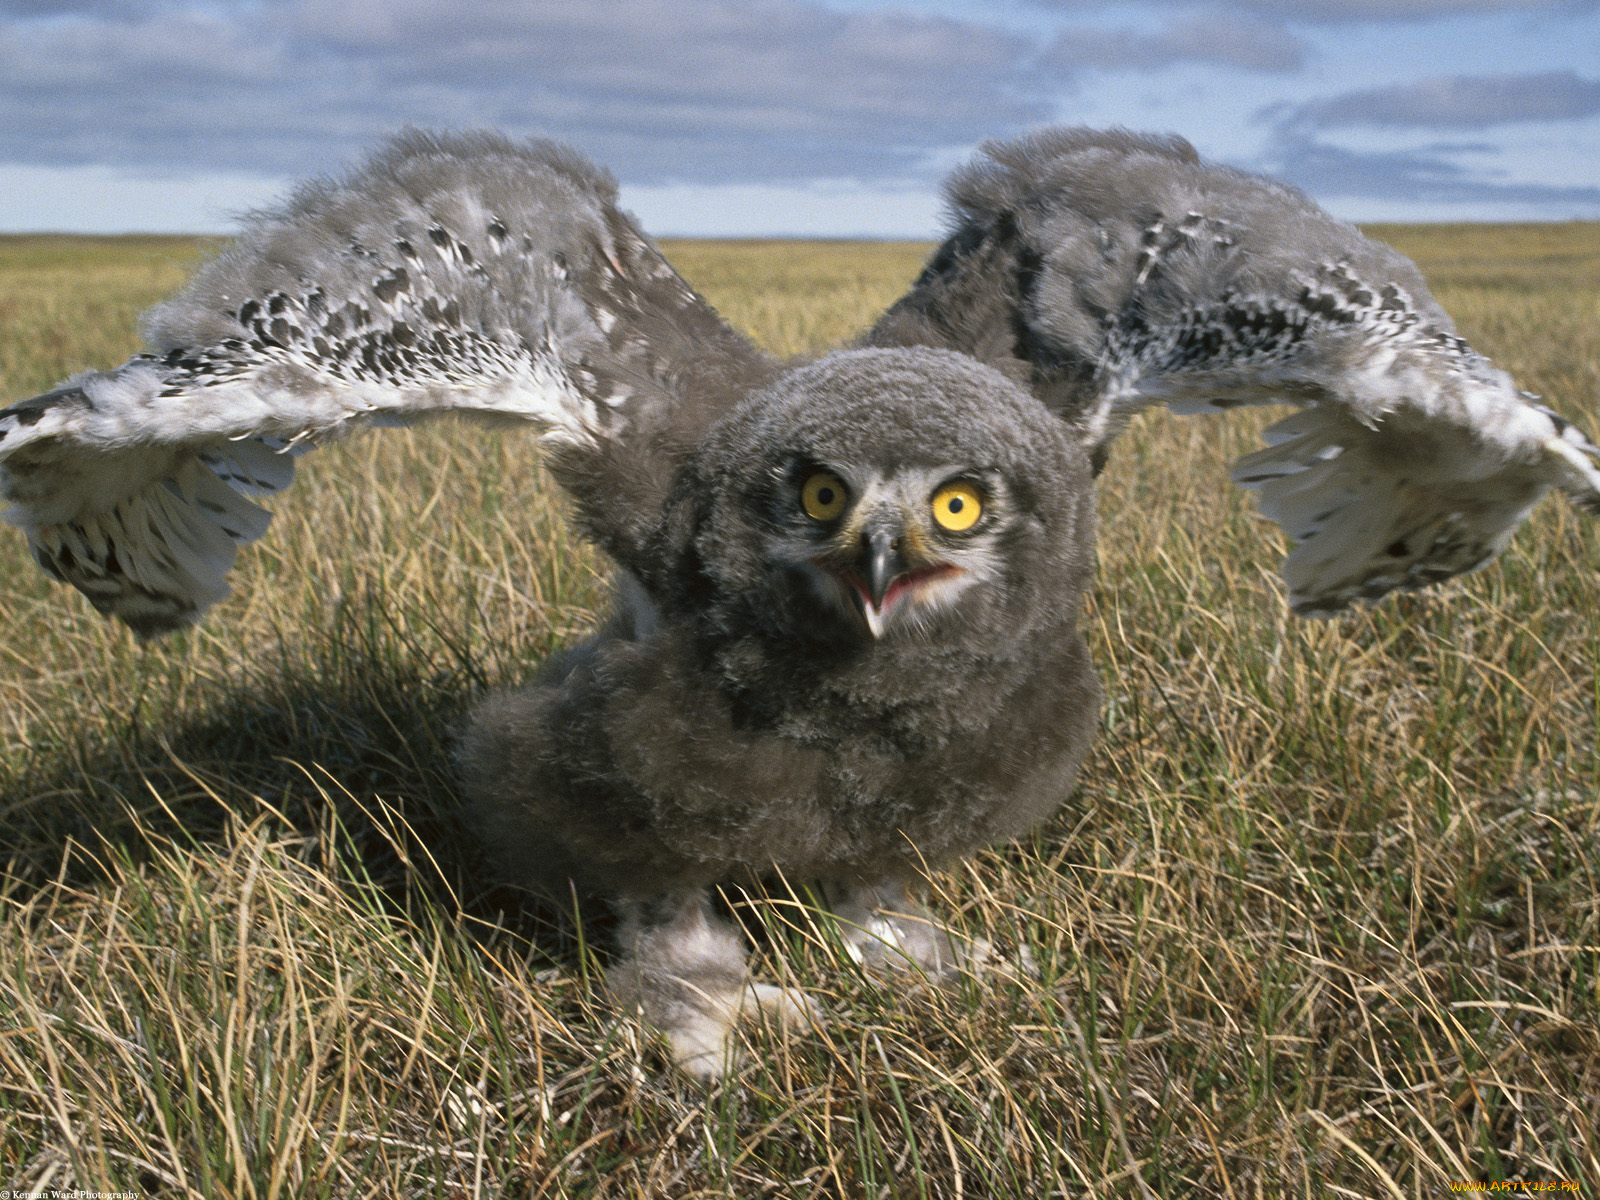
(887, 929)
(684, 967)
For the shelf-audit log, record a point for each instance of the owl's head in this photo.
(880, 496)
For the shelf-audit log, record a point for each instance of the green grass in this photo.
(1322, 918)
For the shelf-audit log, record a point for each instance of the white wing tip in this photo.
(1580, 480)
(158, 558)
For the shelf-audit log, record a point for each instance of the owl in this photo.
(845, 644)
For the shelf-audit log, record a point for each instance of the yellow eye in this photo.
(957, 507)
(823, 496)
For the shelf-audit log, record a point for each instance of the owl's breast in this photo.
(869, 767)
(981, 765)
(637, 768)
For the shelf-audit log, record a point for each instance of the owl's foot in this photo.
(888, 931)
(785, 1006)
(701, 1035)
(684, 969)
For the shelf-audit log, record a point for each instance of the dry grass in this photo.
(1323, 917)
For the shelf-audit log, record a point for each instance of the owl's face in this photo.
(888, 498)
(887, 550)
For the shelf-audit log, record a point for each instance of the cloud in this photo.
(1451, 102)
(67, 8)
(1340, 11)
(1441, 170)
(1335, 12)
(1220, 38)
(659, 89)
(1411, 176)
(706, 93)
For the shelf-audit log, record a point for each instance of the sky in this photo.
(794, 117)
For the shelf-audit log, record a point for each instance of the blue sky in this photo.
(758, 117)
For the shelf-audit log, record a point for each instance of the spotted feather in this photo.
(1114, 272)
(463, 275)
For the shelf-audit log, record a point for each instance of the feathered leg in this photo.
(684, 968)
(887, 929)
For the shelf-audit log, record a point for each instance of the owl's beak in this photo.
(883, 566)
(891, 577)
(883, 563)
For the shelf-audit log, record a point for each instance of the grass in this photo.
(1322, 918)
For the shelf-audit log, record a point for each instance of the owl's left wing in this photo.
(448, 274)
(1113, 272)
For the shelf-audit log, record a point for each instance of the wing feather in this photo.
(1115, 272)
(463, 274)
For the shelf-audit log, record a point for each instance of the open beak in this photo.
(883, 564)
(879, 574)
(884, 579)
(881, 567)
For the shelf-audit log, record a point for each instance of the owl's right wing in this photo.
(463, 274)
(1112, 272)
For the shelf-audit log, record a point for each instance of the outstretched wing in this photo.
(1112, 272)
(465, 274)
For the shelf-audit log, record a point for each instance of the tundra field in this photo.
(1321, 919)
